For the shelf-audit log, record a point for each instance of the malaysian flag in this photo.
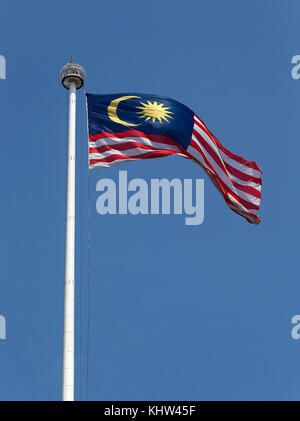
(124, 127)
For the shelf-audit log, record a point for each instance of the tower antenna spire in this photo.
(72, 77)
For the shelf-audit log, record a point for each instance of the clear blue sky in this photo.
(176, 312)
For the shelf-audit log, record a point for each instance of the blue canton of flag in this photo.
(125, 127)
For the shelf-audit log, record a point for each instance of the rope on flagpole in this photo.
(89, 285)
(89, 288)
(81, 267)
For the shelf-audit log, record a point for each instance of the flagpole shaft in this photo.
(69, 292)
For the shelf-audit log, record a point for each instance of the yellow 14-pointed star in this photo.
(154, 111)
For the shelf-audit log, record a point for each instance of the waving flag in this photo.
(124, 127)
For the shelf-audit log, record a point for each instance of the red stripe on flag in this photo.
(114, 157)
(134, 133)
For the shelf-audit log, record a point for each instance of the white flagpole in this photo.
(72, 78)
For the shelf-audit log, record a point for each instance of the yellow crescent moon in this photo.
(112, 110)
